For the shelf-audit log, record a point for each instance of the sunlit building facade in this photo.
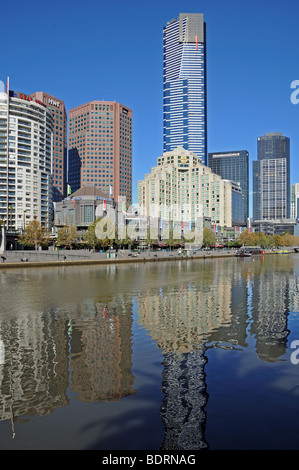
(294, 209)
(100, 148)
(180, 188)
(57, 107)
(271, 178)
(184, 84)
(26, 146)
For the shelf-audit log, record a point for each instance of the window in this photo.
(88, 214)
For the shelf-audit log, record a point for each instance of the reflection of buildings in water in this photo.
(213, 307)
(183, 406)
(39, 346)
(101, 353)
(183, 320)
(31, 367)
(294, 293)
(180, 320)
(235, 333)
(271, 291)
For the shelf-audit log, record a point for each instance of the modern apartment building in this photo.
(26, 146)
(184, 84)
(233, 165)
(100, 148)
(59, 167)
(271, 178)
(180, 188)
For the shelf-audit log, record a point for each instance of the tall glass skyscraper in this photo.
(184, 85)
(233, 165)
(271, 178)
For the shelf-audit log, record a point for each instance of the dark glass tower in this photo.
(271, 178)
(184, 85)
(233, 166)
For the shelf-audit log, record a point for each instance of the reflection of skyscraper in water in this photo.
(270, 308)
(37, 350)
(210, 309)
(101, 353)
(33, 365)
(294, 291)
(185, 397)
(235, 333)
(181, 322)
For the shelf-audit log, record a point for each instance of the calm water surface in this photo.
(175, 355)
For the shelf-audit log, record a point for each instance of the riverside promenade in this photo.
(27, 259)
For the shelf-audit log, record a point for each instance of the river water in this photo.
(197, 354)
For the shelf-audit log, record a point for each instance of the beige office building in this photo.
(180, 188)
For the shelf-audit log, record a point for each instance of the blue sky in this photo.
(81, 51)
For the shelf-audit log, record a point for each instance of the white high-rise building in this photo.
(26, 143)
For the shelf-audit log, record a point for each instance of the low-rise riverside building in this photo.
(88, 204)
(276, 227)
(83, 207)
(181, 189)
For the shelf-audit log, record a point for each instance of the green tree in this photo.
(277, 241)
(209, 237)
(171, 241)
(265, 241)
(90, 236)
(35, 235)
(249, 239)
(149, 240)
(288, 239)
(67, 236)
(124, 241)
(245, 238)
(106, 242)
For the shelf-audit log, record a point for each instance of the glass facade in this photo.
(237, 206)
(271, 178)
(88, 214)
(184, 85)
(233, 165)
(256, 193)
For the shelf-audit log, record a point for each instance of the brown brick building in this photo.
(100, 148)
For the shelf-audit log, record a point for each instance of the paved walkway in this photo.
(78, 257)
